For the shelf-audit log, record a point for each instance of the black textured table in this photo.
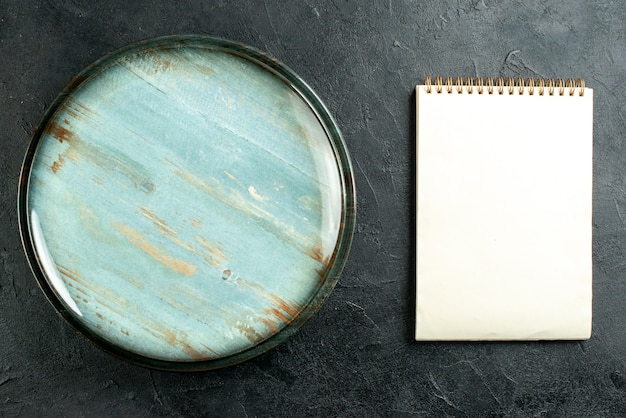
(356, 357)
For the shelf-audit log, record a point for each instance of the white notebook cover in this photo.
(504, 206)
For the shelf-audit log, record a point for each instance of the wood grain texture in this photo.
(185, 203)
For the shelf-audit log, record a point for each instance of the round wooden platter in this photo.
(187, 203)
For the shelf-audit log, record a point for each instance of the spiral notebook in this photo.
(504, 187)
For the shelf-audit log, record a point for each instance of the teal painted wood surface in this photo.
(185, 203)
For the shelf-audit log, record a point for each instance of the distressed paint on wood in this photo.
(185, 203)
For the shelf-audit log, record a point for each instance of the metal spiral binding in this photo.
(542, 86)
